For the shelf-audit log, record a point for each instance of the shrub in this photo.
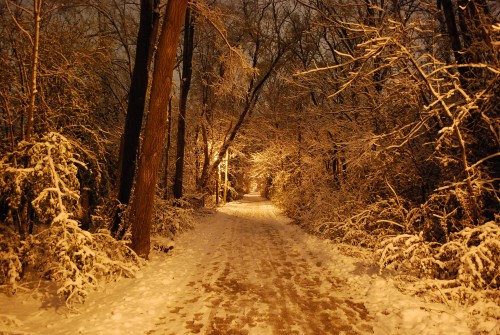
(471, 257)
(40, 193)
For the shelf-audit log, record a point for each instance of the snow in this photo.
(245, 270)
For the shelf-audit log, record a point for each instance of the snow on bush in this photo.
(170, 220)
(471, 257)
(76, 259)
(480, 257)
(407, 253)
(40, 190)
(39, 179)
(10, 264)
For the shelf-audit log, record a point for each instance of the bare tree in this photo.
(37, 7)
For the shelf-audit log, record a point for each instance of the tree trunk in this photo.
(225, 177)
(136, 104)
(37, 7)
(217, 183)
(187, 60)
(154, 31)
(166, 175)
(156, 127)
(451, 27)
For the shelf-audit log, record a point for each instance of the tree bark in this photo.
(187, 61)
(156, 127)
(136, 104)
(166, 175)
(37, 7)
(225, 177)
(451, 27)
(217, 186)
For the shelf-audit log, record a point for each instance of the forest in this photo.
(371, 123)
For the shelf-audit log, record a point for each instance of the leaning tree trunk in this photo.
(156, 127)
(187, 60)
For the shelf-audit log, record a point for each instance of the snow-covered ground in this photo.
(245, 270)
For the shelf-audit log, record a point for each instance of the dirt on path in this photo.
(247, 270)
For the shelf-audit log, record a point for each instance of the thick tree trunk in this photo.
(136, 104)
(156, 127)
(187, 60)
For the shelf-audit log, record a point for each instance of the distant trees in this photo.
(260, 35)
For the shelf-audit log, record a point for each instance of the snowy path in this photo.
(249, 272)
(244, 270)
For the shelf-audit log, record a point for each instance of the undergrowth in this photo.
(171, 217)
(39, 235)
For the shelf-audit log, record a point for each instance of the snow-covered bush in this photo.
(169, 220)
(471, 257)
(76, 259)
(480, 256)
(10, 263)
(40, 190)
(359, 237)
(407, 253)
(37, 181)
